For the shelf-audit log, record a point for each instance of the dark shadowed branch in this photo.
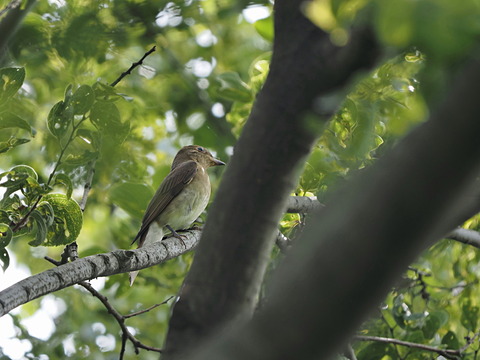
(242, 223)
(355, 249)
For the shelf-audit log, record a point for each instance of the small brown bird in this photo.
(181, 197)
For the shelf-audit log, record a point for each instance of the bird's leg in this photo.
(177, 235)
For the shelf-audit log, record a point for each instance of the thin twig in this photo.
(134, 65)
(148, 309)
(137, 344)
(126, 334)
(448, 353)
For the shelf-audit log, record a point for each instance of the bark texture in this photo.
(94, 266)
(227, 272)
(368, 233)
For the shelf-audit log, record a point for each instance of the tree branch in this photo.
(134, 65)
(264, 168)
(11, 22)
(115, 262)
(466, 236)
(447, 353)
(352, 251)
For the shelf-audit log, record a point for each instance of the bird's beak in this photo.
(217, 162)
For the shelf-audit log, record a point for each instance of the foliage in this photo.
(63, 125)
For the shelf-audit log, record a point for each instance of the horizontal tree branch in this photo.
(303, 204)
(90, 267)
(447, 353)
(466, 236)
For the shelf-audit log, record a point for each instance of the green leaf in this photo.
(11, 143)
(4, 217)
(265, 28)
(375, 351)
(450, 339)
(6, 235)
(47, 212)
(63, 179)
(60, 119)
(233, 88)
(9, 120)
(81, 159)
(68, 220)
(131, 197)
(11, 80)
(103, 91)
(25, 169)
(433, 323)
(82, 100)
(41, 228)
(469, 316)
(105, 115)
(4, 259)
(90, 137)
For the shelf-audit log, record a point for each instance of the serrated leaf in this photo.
(82, 100)
(6, 235)
(9, 120)
(68, 220)
(11, 80)
(41, 228)
(60, 119)
(4, 259)
(63, 179)
(131, 197)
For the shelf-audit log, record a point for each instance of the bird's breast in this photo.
(187, 206)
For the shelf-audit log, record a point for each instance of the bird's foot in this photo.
(177, 235)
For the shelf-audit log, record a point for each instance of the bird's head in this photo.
(196, 153)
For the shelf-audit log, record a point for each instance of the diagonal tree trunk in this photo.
(230, 262)
(353, 251)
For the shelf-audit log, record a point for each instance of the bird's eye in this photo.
(201, 149)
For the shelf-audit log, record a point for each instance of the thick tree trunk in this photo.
(230, 262)
(353, 251)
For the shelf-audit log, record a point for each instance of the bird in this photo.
(180, 199)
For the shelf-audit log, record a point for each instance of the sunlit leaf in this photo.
(63, 179)
(68, 220)
(11, 80)
(60, 119)
(6, 235)
(40, 229)
(265, 28)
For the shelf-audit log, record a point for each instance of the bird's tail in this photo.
(132, 275)
(153, 233)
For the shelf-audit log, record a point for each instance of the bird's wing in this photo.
(170, 187)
